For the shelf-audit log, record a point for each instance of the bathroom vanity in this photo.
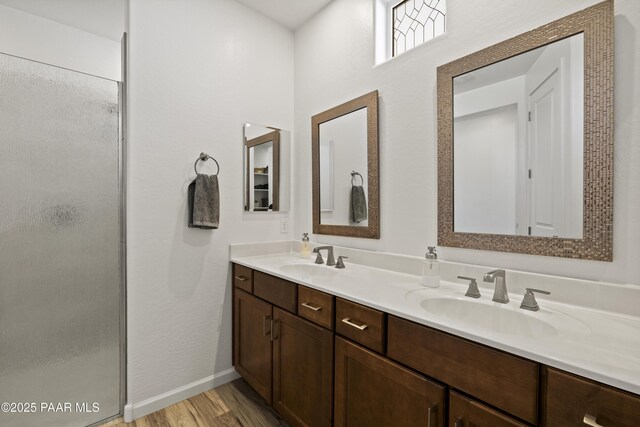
(369, 346)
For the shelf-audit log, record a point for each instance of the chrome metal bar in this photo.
(430, 413)
(241, 278)
(590, 420)
(311, 307)
(265, 320)
(350, 323)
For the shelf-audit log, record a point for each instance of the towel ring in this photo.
(204, 157)
(353, 176)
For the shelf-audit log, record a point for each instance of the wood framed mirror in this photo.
(262, 168)
(345, 169)
(525, 142)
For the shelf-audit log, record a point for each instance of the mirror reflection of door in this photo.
(343, 151)
(518, 144)
(262, 169)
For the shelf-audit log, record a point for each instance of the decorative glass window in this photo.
(414, 22)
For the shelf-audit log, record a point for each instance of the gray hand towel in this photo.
(358, 204)
(204, 202)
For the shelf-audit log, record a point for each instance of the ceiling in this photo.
(290, 13)
(510, 68)
(105, 18)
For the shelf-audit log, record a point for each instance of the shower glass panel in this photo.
(60, 245)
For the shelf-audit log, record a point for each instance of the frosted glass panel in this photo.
(59, 244)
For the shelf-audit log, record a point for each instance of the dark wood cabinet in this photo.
(252, 341)
(371, 390)
(388, 371)
(315, 306)
(361, 324)
(275, 290)
(465, 412)
(569, 399)
(302, 370)
(243, 277)
(500, 379)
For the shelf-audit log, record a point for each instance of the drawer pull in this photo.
(350, 323)
(311, 307)
(266, 321)
(590, 420)
(242, 278)
(458, 422)
(430, 414)
(275, 333)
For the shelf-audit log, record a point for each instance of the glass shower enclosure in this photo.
(61, 246)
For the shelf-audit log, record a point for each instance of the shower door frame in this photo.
(122, 213)
(122, 179)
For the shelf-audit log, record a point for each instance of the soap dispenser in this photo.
(431, 269)
(305, 247)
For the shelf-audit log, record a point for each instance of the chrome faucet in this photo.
(500, 294)
(330, 259)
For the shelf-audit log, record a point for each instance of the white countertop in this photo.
(597, 344)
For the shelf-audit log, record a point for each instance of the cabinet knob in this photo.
(590, 420)
(458, 422)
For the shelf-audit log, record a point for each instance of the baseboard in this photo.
(133, 411)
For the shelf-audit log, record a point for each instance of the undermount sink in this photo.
(309, 270)
(496, 318)
(491, 317)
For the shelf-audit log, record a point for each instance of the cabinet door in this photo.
(302, 370)
(252, 341)
(572, 401)
(464, 412)
(371, 390)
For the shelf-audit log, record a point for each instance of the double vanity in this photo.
(525, 165)
(370, 345)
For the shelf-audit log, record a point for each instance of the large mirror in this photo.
(345, 169)
(526, 142)
(266, 168)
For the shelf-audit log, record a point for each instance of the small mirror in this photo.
(266, 169)
(345, 169)
(518, 144)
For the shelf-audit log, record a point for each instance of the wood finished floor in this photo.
(232, 404)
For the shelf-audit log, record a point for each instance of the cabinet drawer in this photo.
(568, 399)
(243, 278)
(275, 290)
(315, 306)
(507, 382)
(361, 324)
(464, 412)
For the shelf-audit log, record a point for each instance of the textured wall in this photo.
(198, 71)
(334, 57)
(39, 39)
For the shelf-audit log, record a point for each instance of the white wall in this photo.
(198, 71)
(334, 57)
(348, 136)
(33, 37)
(485, 172)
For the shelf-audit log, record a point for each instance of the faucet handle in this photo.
(472, 291)
(319, 259)
(529, 301)
(340, 263)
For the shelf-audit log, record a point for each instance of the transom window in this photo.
(414, 22)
